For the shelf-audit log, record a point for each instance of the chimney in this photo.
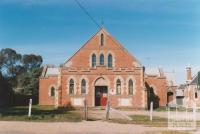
(161, 72)
(189, 73)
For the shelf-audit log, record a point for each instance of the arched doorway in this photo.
(101, 91)
(152, 96)
(170, 95)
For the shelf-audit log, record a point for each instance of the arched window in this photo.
(93, 60)
(110, 60)
(102, 39)
(52, 93)
(118, 86)
(71, 86)
(196, 95)
(101, 59)
(130, 87)
(83, 86)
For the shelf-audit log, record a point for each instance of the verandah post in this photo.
(151, 111)
(107, 110)
(85, 110)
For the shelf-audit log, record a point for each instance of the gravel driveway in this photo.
(84, 127)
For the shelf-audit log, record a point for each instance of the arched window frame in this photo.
(83, 86)
(110, 61)
(118, 86)
(101, 60)
(130, 87)
(102, 39)
(196, 95)
(94, 60)
(52, 91)
(71, 86)
(131, 77)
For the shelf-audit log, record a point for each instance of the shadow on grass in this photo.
(40, 113)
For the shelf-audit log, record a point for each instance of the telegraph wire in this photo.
(95, 22)
(87, 13)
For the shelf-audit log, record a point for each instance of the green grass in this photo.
(39, 113)
(143, 120)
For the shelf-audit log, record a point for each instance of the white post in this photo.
(85, 109)
(29, 109)
(169, 117)
(151, 111)
(194, 114)
(107, 110)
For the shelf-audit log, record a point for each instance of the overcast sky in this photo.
(159, 33)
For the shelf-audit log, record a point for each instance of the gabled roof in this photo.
(171, 79)
(194, 80)
(50, 71)
(182, 86)
(158, 72)
(152, 71)
(103, 30)
(179, 93)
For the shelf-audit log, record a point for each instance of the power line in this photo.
(95, 22)
(87, 13)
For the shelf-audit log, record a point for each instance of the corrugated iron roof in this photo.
(52, 71)
(152, 71)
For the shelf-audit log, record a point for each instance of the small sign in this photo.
(124, 102)
(78, 101)
(112, 92)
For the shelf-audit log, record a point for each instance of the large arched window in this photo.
(71, 86)
(118, 87)
(102, 39)
(110, 60)
(93, 60)
(130, 87)
(52, 92)
(101, 59)
(83, 86)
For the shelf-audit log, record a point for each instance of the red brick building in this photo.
(102, 69)
(188, 93)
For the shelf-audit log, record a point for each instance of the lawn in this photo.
(39, 113)
(143, 120)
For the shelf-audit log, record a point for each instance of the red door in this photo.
(103, 100)
(101, 95)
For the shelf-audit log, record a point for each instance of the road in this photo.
(84, 127)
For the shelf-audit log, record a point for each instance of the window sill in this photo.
(93, 68)
(71, 95)
(101, 66)
(130, 94)
(118, 94)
